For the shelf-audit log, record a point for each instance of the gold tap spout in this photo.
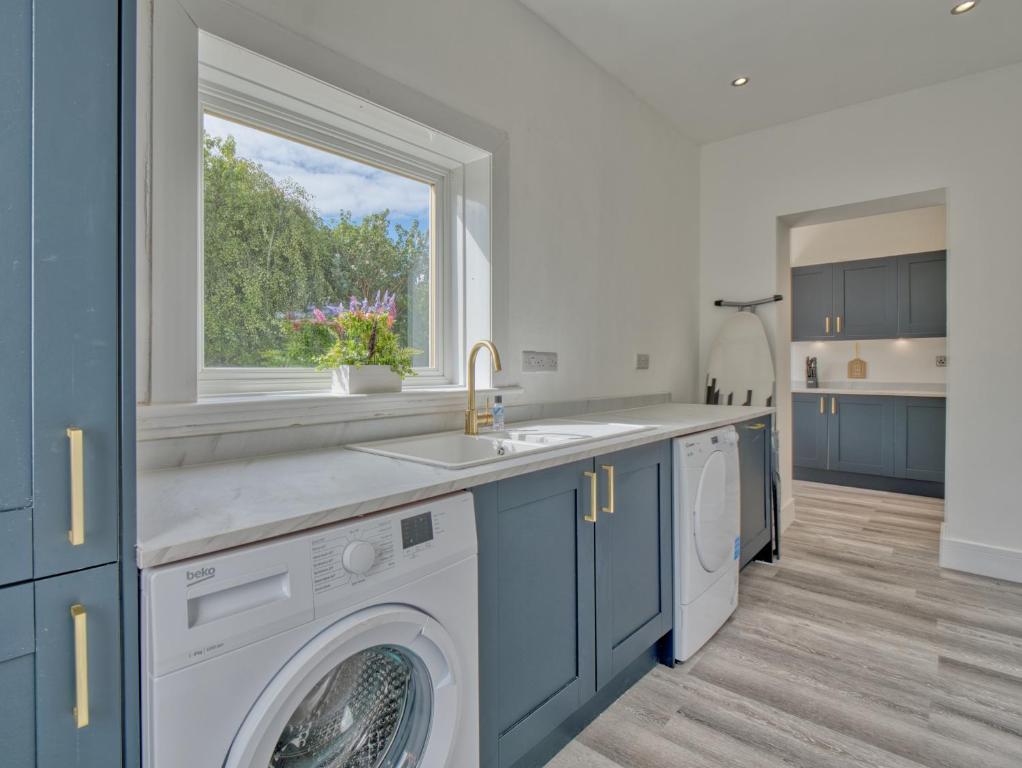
(474, 419)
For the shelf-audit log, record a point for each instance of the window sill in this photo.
(225, 414)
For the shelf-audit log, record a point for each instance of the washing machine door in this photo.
(378, 689)
(714, 523)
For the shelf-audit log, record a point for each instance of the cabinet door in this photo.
(866, 299)
(60, 742)
(536, 608)
(75, 276)
(919, 438)
(812, 307)
(922, 294)
(15, 290)
(809, 430)
(634, 584)
(754, 468)
(17, 676)
(861, 432)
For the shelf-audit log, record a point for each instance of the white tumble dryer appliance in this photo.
(353, 645)
(707, 520)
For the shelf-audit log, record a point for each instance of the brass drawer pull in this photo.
(822, 407)
(76, 452)
(81, 632)
(758, 425)
(593, 490)
(826, 325)
(839, 323)
(609, 469)
(833, 405)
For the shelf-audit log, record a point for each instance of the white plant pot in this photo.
(364, 380)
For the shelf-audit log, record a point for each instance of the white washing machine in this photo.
(352, 646)
(707, 527)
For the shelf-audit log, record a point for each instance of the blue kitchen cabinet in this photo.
(634, 583)
(919, 437)
(75, 288)
(61, 740)
(861, 434)
(17, 676)
(536, 608)
(571, 597)
(922, 294)
(809, 426)
(812, 303)
(866, 299)
(15, 290)
(755, 466)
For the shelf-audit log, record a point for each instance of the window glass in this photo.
(288, 228)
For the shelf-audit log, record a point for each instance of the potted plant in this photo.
(367, 356)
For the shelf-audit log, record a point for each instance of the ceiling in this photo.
(802, 56)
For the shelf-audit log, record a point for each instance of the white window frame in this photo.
(307, 85)
(298, 107)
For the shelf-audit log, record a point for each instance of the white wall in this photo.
(869, 237)
(962, 136)
(900, 361)
(603, 194)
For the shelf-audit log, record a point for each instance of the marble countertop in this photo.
(897, 389)
(190, 511)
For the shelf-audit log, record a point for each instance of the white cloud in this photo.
(334, 182)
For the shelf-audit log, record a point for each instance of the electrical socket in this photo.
(942, 361)
(642, 362)
(539, 362)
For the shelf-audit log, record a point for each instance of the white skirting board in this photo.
(787, 514)
(981, 559)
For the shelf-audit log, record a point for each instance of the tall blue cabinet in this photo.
(66, 410)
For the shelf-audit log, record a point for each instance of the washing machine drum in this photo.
(374, 691)
(714, 530)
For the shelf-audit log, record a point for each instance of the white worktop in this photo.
(896, 389)
(190, 511)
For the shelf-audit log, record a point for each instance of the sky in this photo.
(334, 182)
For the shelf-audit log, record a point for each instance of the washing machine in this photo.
(354, 645)
(707, 529)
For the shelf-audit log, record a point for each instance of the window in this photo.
(274, 192)
(289, 226)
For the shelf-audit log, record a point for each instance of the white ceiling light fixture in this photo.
(738, 82)
(965, 7)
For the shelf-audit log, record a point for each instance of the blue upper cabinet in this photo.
(812, 303)
(922, 294)
(896, 296)
(15, 291)
(75, 280)
(866, 299)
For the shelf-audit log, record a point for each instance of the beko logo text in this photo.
(202, 574)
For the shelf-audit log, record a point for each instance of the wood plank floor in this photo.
(856, 650)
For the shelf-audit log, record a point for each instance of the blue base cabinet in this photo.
(870, 441)
(755, 459)
(566, 603)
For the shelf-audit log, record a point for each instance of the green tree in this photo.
(267, 252)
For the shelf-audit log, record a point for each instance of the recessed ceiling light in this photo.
(965, 7)
(738, 82)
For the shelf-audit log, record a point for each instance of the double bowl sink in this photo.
(454, 450)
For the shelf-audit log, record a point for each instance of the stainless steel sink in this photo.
(454, 450)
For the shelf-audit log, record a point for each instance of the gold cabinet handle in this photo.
(593, 490)
(609, 469)
(81, 630)
(833, 405)
(822, 400)
(758, 425)
(826, 325)
(839, 323)
(76, 440)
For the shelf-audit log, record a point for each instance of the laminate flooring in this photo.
(856, 650)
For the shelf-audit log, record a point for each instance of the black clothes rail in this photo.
(749, 305)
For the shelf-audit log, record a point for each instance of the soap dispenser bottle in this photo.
(498, 413)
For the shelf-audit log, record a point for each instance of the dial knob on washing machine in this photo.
(731, 437)
(358, 557)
